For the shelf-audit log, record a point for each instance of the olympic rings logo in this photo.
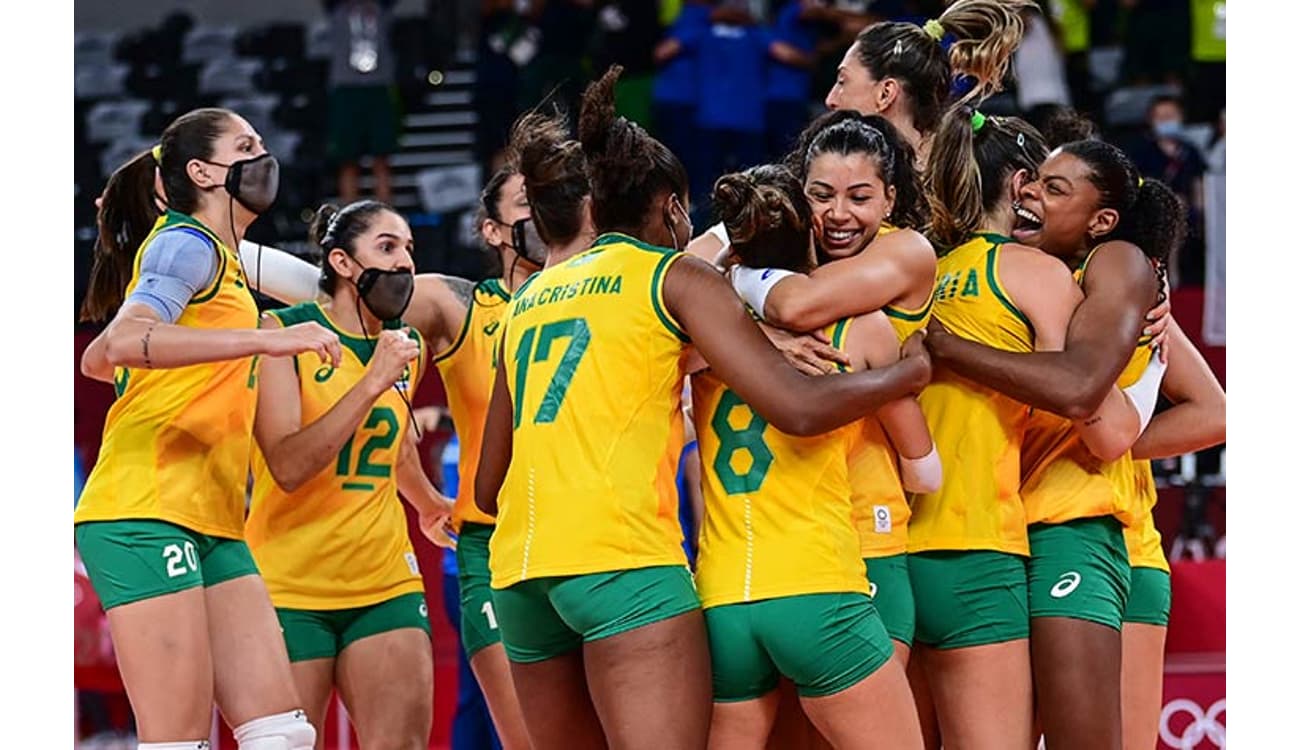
(1204, 724)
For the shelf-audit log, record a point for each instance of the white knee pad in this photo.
(286, 731)
(191, 745)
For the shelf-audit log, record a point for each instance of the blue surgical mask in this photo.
(1168, 128)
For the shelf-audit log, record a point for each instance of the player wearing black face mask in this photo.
(337, 445)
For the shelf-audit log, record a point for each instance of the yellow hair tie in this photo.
(1140, 181)
(934, 29)
(157, 154)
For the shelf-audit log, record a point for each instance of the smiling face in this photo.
(849, 202)
(1061, 212)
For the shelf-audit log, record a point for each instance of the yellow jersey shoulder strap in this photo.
(996, 241)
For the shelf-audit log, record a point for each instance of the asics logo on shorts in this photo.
(1066, 586)
(871, 589)
(424, 610)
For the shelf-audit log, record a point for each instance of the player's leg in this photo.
(646, 654)
(972, 624)
(547, 669)
(1146, 621)
(481, 636)
(311, 638)
(1079, 581)
(146, 574)
(745, 695)
(254, 685)
(836, 650)
(891, 593)
(385, 674)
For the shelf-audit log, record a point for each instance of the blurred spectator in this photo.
(1165, 154)
(506, 42)
(627, 32)
(1037, 65)
(78, 477)
(564, 34)
(1072, 22)
(732, 53)
(363, 106)
(676, 90)
(789, 77)
(1209, 69)
(1156, 41)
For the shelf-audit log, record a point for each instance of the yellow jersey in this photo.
(880, 507)
(340, 540)
(468, 370)
(176, 441)
(595, 378)
(777, 508)
(1063, 481)
(977, 430)
(1143, 538)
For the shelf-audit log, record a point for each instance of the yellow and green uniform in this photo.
(778, 540)
(595, 379)
(468, 371)
(340, 540)
(976, 429)
(967, 541)
(176, 441)
(1063, 481)
(169, 486)
(1149, 589)
(777, 508)
(1077, 507)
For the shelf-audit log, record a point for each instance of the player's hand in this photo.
(914, 350)
(394, 350)
(303, 337)
(1158, 324)
(811, 354)
(436, 526)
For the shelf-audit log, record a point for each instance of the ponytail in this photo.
(126, 216)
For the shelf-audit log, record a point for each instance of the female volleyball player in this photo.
(160, 525)
(597, 609)
(1089, 208)
(325, 526)
(901, 71)
(865, 198)
(1197, 420)
(780, 574)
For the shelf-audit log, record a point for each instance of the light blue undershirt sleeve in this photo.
(177, 264)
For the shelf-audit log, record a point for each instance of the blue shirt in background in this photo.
(731, 90)
(786, 83)
(686, 516)
(676, 81)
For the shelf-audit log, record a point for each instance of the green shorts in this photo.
(478, 621)
(969, 597)
(1148, 597)
(324, 633)
(547, 617)
(132, 560)
(891, 593)
(824, 643)
(363, 121)
(1079, 569)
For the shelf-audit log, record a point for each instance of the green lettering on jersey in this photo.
(972, 287)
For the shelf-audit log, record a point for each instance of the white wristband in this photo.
(924, 474)
(754, 284)
(278, 274)
(719, 231)
(1146, 391)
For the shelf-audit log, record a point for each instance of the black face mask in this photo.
(386, 293)
(253, 182)
(528, 243)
